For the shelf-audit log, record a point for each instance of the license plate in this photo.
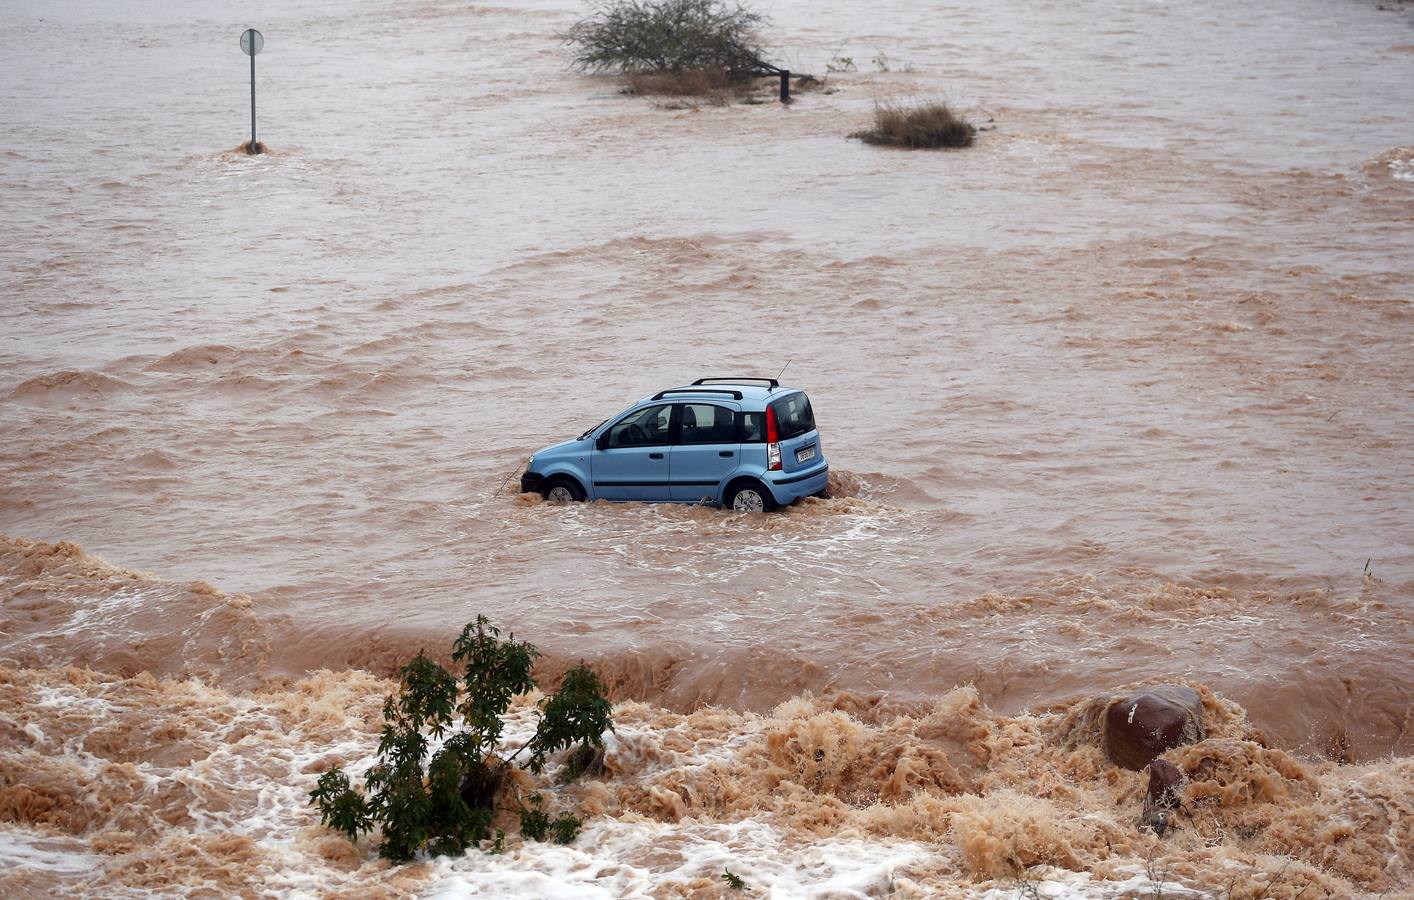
(805, 454)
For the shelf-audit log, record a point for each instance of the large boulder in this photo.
(1139, 726)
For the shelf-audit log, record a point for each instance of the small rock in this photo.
(1165, 783)
(480, 784)
(1137, 727)
(583, 760)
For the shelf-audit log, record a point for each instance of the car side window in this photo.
(753, 428)
(645, 428)
(705, 423)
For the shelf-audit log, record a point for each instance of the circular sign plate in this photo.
(251, 41)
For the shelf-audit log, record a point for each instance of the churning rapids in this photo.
(1120, 394)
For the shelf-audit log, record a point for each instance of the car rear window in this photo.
(794, 416)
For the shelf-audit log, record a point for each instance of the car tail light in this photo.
(773, 441)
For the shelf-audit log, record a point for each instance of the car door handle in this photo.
(655, 456)
(725, 454)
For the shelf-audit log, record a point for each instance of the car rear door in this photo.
(634, 462)
(707, 450)
(800, 442)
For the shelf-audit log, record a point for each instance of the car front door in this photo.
(631, 460)
(706, 452)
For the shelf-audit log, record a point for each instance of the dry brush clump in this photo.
(691, 83)
(676, 47)
(918, 125)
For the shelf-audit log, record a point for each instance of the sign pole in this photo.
(251, 43)
(253, 144)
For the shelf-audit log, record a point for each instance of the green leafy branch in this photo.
(447, 804)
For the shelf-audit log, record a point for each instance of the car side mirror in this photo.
(602, 442)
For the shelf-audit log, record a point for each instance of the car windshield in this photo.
(641, 428)
(589, 431)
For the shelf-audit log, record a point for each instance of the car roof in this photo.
(753, 396)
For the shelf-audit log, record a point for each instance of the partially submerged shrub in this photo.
(446, 805)
(668, 36)
(918, 125)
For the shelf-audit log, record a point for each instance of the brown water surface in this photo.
(1122, 392)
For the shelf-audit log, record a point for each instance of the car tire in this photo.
(561, 489)
(748, 495)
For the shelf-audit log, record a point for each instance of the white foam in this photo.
(640, 858)
(30, 849)
(1053, 883)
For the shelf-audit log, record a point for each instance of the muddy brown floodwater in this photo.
(1122, 393)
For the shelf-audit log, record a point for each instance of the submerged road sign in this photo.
(252, 42)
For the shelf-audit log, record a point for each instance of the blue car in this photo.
(747, 444)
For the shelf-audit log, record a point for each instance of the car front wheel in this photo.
(563, 490)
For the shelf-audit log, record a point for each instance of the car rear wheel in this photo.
(749, 496)
(563, 490)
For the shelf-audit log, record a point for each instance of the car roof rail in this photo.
(772, 383)
(735, 395)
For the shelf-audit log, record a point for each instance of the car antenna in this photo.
(784, 367)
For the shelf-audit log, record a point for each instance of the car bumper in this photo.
(793, 486)
(531, 483)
